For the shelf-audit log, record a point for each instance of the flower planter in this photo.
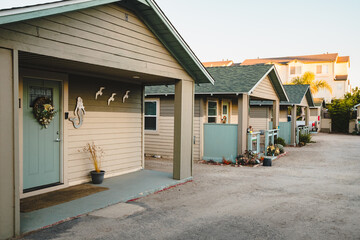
(97, 177)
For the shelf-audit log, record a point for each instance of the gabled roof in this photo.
(327, 57)
(147, 10)
(231, 80)
(296, 93)
(318, 102)
(218, 63)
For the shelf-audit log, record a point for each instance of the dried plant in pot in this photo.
(96, 153)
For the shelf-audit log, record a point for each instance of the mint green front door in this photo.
(41, 146)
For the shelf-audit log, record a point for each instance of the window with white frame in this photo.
(212, 111)
(151, 114)
(318, 69)
(322, 69)
(295, 70)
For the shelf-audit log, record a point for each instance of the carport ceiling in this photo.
(41, 62)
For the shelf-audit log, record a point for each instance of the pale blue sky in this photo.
(239, 29)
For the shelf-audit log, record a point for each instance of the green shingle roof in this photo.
(230, 80)
(295, 93)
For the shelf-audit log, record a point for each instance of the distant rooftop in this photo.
(218, 63)
(326, 57)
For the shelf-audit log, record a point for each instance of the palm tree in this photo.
(315, 85)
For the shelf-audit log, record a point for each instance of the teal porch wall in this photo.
(220, 140)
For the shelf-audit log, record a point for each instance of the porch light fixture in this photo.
(136, 77)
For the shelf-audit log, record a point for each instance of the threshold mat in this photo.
(57, 197)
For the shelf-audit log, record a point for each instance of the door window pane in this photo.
(36, 92)
(225, 109)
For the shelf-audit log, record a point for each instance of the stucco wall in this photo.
(339, 88)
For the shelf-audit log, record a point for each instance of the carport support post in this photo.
(293, 125)
(276, 113)
(307, 115)
(243, 122)
(9, 146)
(183, 129)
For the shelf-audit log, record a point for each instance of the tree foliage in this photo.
(341, 111)
(315, 85)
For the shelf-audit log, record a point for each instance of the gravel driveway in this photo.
(312, 193)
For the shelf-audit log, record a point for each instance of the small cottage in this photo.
(85, 64)
(221, 111)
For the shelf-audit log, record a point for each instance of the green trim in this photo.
(44, 10)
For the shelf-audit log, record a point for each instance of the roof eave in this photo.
(43, 10)
(205, 76)
(201, 93)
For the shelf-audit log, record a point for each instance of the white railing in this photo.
(254, 137)
(304, 130)
(270, 137)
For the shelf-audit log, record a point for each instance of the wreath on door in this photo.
(44, 112)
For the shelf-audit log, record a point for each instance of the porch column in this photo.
(276, 112)
(307, 115)
(293, 125)
(243, 122)
(183, 129)
(9, 146)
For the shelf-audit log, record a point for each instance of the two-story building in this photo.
(329, 67)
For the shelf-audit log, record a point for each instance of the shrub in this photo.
(305, 138)
(280, 141)
(281, 147)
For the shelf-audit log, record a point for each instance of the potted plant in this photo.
(96, 153)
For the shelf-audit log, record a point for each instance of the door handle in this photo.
(58, 140)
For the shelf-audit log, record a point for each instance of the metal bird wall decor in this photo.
(126, 95)
(99, 93)
(111, 99)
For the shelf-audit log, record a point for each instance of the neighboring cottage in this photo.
(90, 61)
(219, 108)
(299, 96)
(329, 67)
(316, 114)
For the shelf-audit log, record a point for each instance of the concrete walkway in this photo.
(312, 193)
(121, 189)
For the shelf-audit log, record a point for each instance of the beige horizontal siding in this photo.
(92, 35)
(162, 142)
(259, 118)
(197, 121)
(116, 128)
(234, 112)
(265, 90)
(283, 115)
